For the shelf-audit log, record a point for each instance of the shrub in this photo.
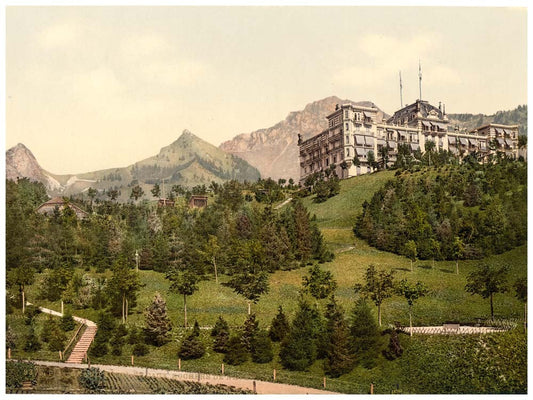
(18, 372)
(99, 347)
(92, 379)
(67, 322)
(140, 349)
(32, 342)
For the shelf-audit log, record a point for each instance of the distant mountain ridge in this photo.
(274, 151)
(188, 161)
(517, 116)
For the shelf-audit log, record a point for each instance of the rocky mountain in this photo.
(188, 161)
(274, 151)
(21, 163)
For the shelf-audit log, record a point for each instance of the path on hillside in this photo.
(282, 204)
(261, 387)
(82, 346)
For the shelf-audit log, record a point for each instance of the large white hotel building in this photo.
(357, 130)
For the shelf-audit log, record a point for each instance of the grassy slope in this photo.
(446, 301)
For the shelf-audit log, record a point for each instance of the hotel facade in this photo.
(359, 130)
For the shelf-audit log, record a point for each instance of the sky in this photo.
(89, 88)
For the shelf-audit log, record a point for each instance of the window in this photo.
(347, 152)
(345, 113)
(347, 139)
(347, 126)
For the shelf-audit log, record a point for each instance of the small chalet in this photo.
(59, 202)
(198, 201)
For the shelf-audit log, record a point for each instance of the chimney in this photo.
(444, 109)
(440, 106)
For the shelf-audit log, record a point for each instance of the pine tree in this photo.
(365, 335)
(67, 322)
(192, 347)
(339, 359)
(249, 330)
(236, 351)
(279, 326)
(157, 322)
(32, 342)
(220, 333)
(261, 348)
(298, 350)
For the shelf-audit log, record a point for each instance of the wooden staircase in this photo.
(82, 347)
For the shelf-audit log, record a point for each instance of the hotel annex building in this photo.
(358, 130)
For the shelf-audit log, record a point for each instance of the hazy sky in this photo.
(98, 87)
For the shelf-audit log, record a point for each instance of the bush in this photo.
(67, 322)
(262, 348)
(99, 347)
(236, 351)
(57, 341)
(18, 372)
(92, 379)
(135, 336)
(32, 342)
(140, 349)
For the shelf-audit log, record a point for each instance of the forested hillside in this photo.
(457, 211)
(518, 116)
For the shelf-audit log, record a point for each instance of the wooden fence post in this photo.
(179, 364)
(371, 388)
(324, 382)
(132, 360)
(222, 368)
(60, 356)
(255, 387)
(274, 374)
(9, 353)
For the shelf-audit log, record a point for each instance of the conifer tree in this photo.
(192, 347)
(261, 348)
(339, 359)
(249, 330)
(279, 326)
(298, 350)
(365, 335)
(236, 353)
(157, 321)
(220, 333)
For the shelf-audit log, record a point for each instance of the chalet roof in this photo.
(61, 202)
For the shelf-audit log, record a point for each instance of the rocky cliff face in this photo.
(21, 163)
(274, 151)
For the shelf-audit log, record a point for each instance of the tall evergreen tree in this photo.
(220, 333)
(298, 350)
(279, 326)
(365, 335)
(157, 321)
(249, 330)
(339, 359)
(261, 347)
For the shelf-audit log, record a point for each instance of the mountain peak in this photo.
(274, 150)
